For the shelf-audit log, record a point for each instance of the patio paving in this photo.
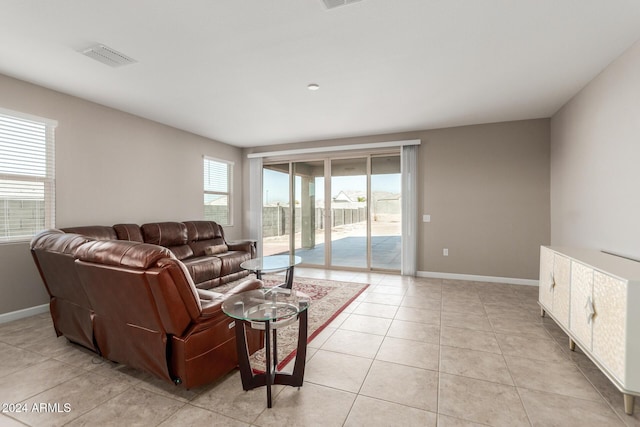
(352, 252)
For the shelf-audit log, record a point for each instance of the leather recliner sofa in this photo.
(201, 245)
(135, 303)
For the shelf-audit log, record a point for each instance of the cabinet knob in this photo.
(589, 310)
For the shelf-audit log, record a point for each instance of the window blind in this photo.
(409, 178)
(255, 201)
(217, 190)
(27, 175)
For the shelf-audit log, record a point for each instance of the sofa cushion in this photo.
(129, 232)
(165, 233)
(181, 252)
(231, 261)
(202, 269)
(171, 235)
(215, 249)
(202, 235)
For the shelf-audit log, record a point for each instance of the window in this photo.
(27, 185)
(217, 190)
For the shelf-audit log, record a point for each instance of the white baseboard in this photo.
(21, 314)
(454, 276)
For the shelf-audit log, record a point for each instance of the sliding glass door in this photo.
(386, 213)
(340, 212)
(349, 237)
(276, 235)
(309, 211)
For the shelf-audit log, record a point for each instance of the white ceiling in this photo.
(237, 70)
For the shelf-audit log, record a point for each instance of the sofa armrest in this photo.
(248, 246)
(207, 295)
(213, 307)
(211, 303)
(247, 285)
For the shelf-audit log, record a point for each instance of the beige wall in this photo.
(595, 162)
(110, 167)
(486, 188)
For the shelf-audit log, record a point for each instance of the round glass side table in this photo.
(269, 309)
(272, 264)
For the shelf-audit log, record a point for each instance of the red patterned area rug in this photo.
(328, 299)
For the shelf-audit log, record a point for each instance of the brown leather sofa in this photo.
(210, 259)
(135, 303)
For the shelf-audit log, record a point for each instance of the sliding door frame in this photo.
(327, 159)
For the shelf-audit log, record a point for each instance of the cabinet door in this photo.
(609, 326)
(546, 283)
(561, 290)
(582, 311)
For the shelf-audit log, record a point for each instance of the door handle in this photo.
(589, 310)
(552, 283)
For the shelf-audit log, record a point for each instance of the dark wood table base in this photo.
(250, 380)
(288, 281)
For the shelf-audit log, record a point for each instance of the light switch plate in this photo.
(426, 218)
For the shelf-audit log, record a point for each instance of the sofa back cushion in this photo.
(203, 230)
(54, 253)
(172, 235)
(205, 238)
(97, 232)
(58, 241)
(129, 232)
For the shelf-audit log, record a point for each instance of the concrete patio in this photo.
(348, 246)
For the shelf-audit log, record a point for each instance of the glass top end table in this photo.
(272, 264)
(269, 309)
(267, 304)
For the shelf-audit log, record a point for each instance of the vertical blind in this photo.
(217, 190)
(409, 162)
(255, 201)
(27, 175)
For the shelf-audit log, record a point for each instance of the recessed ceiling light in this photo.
(313, 86)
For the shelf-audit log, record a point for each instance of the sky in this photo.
(276, 185)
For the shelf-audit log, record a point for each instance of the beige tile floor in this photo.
(408, 351)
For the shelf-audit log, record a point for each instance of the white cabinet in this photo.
(561, 295)
(609, 324)
(554, 284)
(595, 298)
(546, 282)
(582, 310)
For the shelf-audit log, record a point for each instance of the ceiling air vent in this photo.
(108, 56)
(337, 3)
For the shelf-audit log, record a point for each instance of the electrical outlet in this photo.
(445, 252)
